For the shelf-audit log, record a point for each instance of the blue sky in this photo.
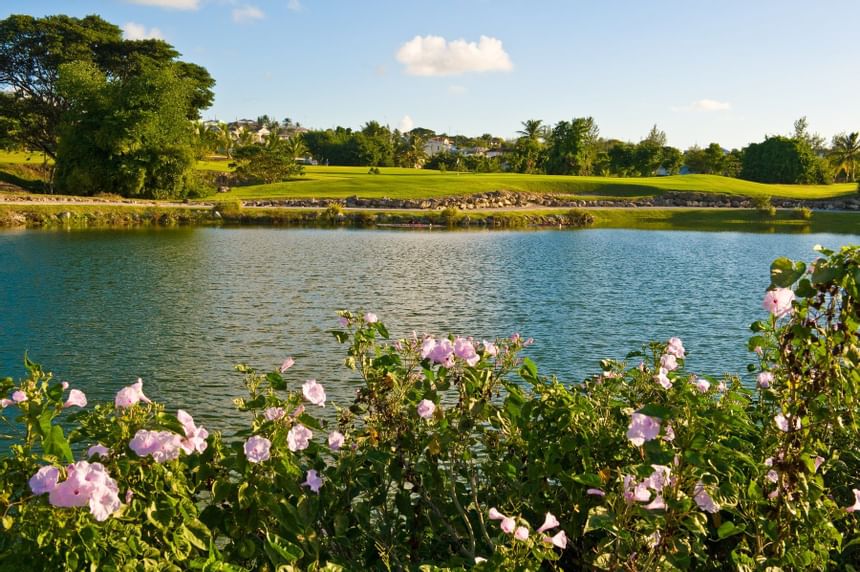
(703, 71)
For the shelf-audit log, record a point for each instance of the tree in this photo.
(531, 129)
(127, 136)
(783, 160)
(572, 147)
(32, 51)
(295, 146)
(269, 162)
(671, 160)
(649, 152)
(844, 154)
(622, 158)
(813, 140)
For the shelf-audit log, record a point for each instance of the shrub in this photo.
(764, 206)
(446, 459)
(579, 218)
(804, 213)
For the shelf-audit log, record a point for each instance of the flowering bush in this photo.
(457, 454)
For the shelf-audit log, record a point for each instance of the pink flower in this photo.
(703, 499)
(559, 540)
(703, 385)
(856, 505)
(764, 380)
(642, 428)
(98, 449)
(549, 521)
(131, 395)
(772, 476)
(64, 385)
(676, 348)
(370, 318)
(288, 363)
(669, 362)
(299, 437)
(659, 478)
(595, 492)
(786, 423)
(103, 502)
(195, 437)
(464, 350)
(663, 379)
(778, 301)
(129, 494)
(257, 449)
(508, 524)
(76, 398)
(521, 533)
(669, 434)
(641, 492)
(759, 351)
(161, 445)
(19, 396)
(426, 409)
(274, 413)
(45, 480)
(817, 462)
(344, 322)
(335, 440)
(441, 352)
(490, 348)
(496, 515)
(4, 403)
(314, 392)
(313, 481)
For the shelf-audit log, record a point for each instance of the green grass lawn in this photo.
(396, 183)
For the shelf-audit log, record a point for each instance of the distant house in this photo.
(438, 145)
(492, 153)
(662, 172)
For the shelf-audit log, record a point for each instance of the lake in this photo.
(179, 307)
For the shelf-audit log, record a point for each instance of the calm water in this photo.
(179, 307)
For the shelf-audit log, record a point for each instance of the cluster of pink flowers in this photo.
(165, 445)
(669, 361)
(86, 484)
(509, 526)
(77, 398)
(443, 351)
(778, 301)
(641, 492)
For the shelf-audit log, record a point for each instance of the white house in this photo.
(437, 145)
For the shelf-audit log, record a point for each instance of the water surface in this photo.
(179, 307)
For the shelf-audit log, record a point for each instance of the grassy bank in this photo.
(25, 170)
(709, 219)
(341, 182)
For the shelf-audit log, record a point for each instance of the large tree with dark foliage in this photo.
(78, 78)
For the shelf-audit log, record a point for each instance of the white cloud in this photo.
(132, 31)
(294, 5)
(705, 105)
(406, 124)
(170, 4)
(456, 90)
(247, 13)
(434, 56)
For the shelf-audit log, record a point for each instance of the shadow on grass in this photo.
(30, 185)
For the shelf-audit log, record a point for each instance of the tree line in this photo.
(123, 117)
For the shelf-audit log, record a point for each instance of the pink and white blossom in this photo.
(371, 318)
(19, 396)
(856, 506)
(490, 348)
(314, 392)
(550, 521)
(657, 504)
(703, 499)
(131, 395)
(87, 484)
(288, 363)
(521, 533)
(76, 399)
(313, 481)
(778, 301)
(642, 428)
(426, 408)
(787, 423)
(195, 437)
(44, 480)
(465, 350)
(668, 362)
(703, 385)
(4, 403)
(595, 492)
(508, 524)
(274, 413)
(299, 437)
(817, 462)
(161, 445)
(257, 449)
(764, 379)
(663, 379)
(335, 440)
(676, 348)
(98, 449)
(559, 540)
(495, 514)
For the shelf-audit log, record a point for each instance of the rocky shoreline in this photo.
(508, 199)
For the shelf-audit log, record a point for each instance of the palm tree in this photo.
(531, 129)
(295, 146)
(845, 153)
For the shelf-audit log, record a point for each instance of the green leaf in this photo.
(728, 528)
(589, 480)
(340, 336)
(57, 444)
(276, 380)
(652, 410)
(784, 272)
(279, 550)
(599, 519)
